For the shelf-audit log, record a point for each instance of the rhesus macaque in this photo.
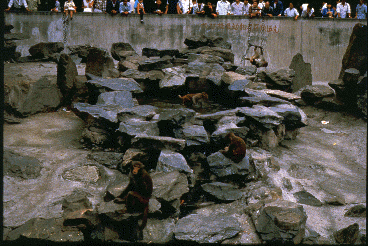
(237, 148)
(138, 192)
(258, 59)
(199, 99)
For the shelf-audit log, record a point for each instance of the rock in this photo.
(75, 205)
(123, 99)
(96, 135)
(305, 197)
(222, 191)
(287, 184)
(158, 143)
(282, 94)
(149, 52)
(135, 155)
(263, 162)
(362, 96)
(226, 54)
(238, 85)
(169, 52)
(171, 119)
(43, 95)
(223, 167)
(216, 74)
(206, 228)
(80, 50)
(117, 186)
(262, 115)
(46, 50)
(356, 211)
(134, 127)
(356, 53)
(119, 51)
(294, 117)
(313, 93)
(154, 63)
(9, 52)
(281, 220)
(230, 77)
(87, 173)
(99, 63)
(216, 116)
(24, 167)
(169, 186)
(247, 70)
(159, 231)
(347, 235)
(265, 101)
(268, 139)
(125, 65)
(311, 236)
(303, 72)
(109, 159)
(195, 135)
(281, 79)
(143, 112)
(170, 161)
(66, 77)
(118, 84)
(107, 112)
(254, 93)
(229, 66)
(205, 58)
(46, 229)
(135, 74)
(154, 75)
(218, 136)
(204, 40)
(198, 68)
(174, 78)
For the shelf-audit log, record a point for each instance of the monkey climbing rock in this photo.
(236, 150)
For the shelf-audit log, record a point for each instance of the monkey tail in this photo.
(181, 97)
(144, 219)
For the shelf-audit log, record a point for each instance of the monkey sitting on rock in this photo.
(258, 59)
(138, 192)
(192, 100)
(237, 148)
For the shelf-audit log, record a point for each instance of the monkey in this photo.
(138, 192)
(258, 59)
(236, 150)
(198, 99)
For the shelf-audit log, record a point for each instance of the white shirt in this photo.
(261, 5)
(246, 9)
(18, 3)
(343, 9)
(304, 12)
(237, 9)
(291, 12)
(324, 7)
(186, 5)
(223, 7)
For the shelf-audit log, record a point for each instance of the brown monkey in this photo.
(237, 148)
(138, 192)
(258, 59)
(198, 99)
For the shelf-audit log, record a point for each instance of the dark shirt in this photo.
(208, 11)
(161, 7)
(279, 8)
(268, 11)
(110, 7)
(172, 6)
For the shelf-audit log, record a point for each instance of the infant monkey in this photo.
(237, 148)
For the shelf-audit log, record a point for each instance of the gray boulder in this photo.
(222, 191)
(143, 112)
(66, 77)
(206, 228)
(313, 93)
(158, 143)
(46, 50)
(134, 127)
(264, 101)
(294, 117)
(109, 159)
(356, 211)
(247, 70)
(347, 235)
(195, 135)
(24, 167)
(222, 130)
(170, 119)
(223, 167)
(117, 186)
(216, 74)
(118, 84)
(108, 112)
(205, 58)
(159, 231)
(154, 63)
(303, 72)
(226, 54)
(134, 74)
(125, 65)
(85, 174)
(230, 77)
(305, 197)
(80, 50)
(170, 161)
(123, 99)
(262, 115)
(119, 51)
(282, 95)
(217, 116)
(281, 221)
(174, 78)
(281, 79)
(99, 63)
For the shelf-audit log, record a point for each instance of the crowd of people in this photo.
(210, 8)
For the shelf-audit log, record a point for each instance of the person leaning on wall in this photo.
(17, 6)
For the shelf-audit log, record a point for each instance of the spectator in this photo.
(69, 9)
(254, 10)
(223, 7)
(261, 4)
(186, 5)
(17, 6)
(278, 8)
(343, 9)
(125, 8)
(173, 7)
(361, 10)
(140, 9)
(100, 6)
(328, 12)
(246, 7)
(149, 5)
(87, 6)
(291, 12)
(112, 7)
(324, 6)
(198, 8)
(57, 7)
(209, 11)
(267, 10)
(307, 11)
(159, 8)
(237, 8)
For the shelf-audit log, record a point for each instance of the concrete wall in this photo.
(322, 42)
